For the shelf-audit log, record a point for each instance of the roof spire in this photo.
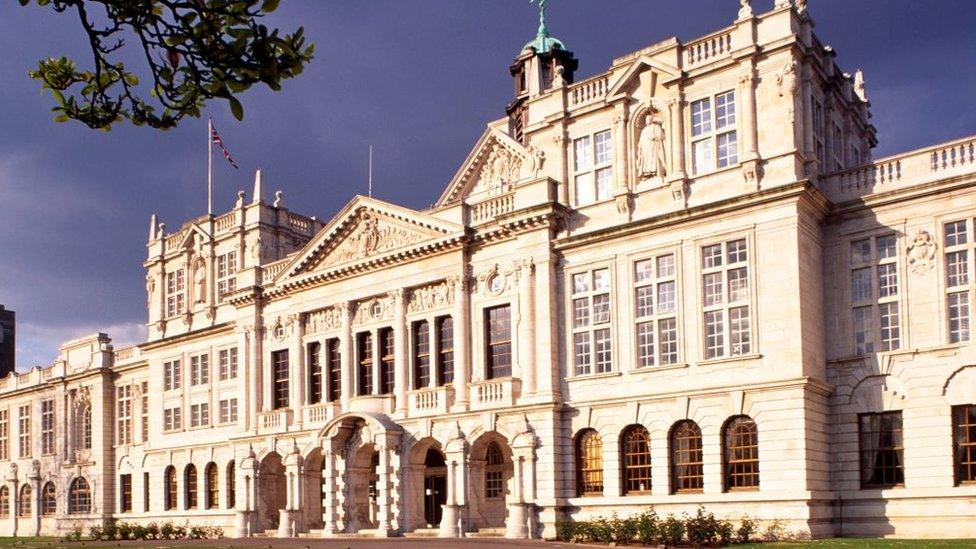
(543, 40)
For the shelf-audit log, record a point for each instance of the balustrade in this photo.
(589, 91)
(707, 49)
(495, 393)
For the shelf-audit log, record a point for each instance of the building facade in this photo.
(8, 341)
(682, 281)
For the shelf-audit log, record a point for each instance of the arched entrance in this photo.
(272, 491)
(491, 474)
(312, 492)
(362, 478)
(435, 486)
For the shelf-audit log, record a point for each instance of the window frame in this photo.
(280, 379)
(655, 281)
(635, 465)
(874, 303)
(713, 133)
(24, 426)
(502, 370)
(588, 461)
(175, 286)
(591, 329)
(226, 274)
(698, 467)
(592, 167)
(730, 463)
(726, 306)
(966, 289)
(899, 450)
(959, 462)
(48, 445)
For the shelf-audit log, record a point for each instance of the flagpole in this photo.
(209, 166)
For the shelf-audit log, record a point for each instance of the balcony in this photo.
(317, 415)
(495, 393)
(431, 401)
(274, 421)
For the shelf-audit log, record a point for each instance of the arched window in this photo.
(635, 460)
(49, 499)
(686, 457)
(24, 502)
(740, 453)
(4, 502)
(190, 486)
(494, 471)
(170, 488)
(231, 486)
(79, 497)
(85, 427)
(589, 463)
(213, 497)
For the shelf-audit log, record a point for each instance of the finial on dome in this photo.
(543, 40)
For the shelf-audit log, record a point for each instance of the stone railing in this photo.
(911, 168)
(318, 414)
(125, 354)
(174, 240)
(272, 270)
(226, 221)
(707, 49)
(299, 223)
(275, 421)
(430, 401)
(589, 91)
(495, 393)
(492, 207)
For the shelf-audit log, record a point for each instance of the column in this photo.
(622, 141)
(547, 379)
(400, 362)
(748, 94)
(526, 325)
(35, 481)
(330, 504)
(70, 430)
(456, 453)
(14, 497)
(246, 406)
(346, 350)
(289, 518)
(384, 495)
(677, 136)
(376, 361)
(297, 363)
(462, 339)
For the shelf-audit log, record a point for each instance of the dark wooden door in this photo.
(435, 495)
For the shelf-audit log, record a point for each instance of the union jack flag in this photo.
(216, 140)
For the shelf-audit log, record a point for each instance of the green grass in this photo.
(855, 543)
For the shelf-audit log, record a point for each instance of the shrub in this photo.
(747, 530)
(110, 531)
(166, 531)
(565, 530)
(725, 531)
(624, 530)
(74, 534)
(648, 528)
(775, 531)
(138, 532)
(124, 530)
(702, 529)
(152, 531)
(672, 530)
(95, 533)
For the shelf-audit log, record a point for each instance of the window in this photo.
(210, 476)
(25, 431)
(123, 413)
(714, 130)
(959, 279)
(125, 493)
(228, 410)
(837, 139)
(819, 133)
(169, 485)
(740, 445)
(335, 369)
(880, 444)
(145, 492)
(226, 271)
(190, 486)
(175, 293)
(279, 362)
(49, 500)
(591, 322)
(314, 354)
(227, 359)
(725, 299)
(445, 350)
(387, 361)
(498, 328)
(4, 436)
(199, 370)
(231, 486)
(79, 497)
(494, 472)
(687, 474)
(874, 264)
(964, 442)
(200, 414)
(172, 419)
(47, 427)
(24, 501)
(171, 375)
(85, 436)
(655, 308)
(4, 502)
(593, 168)
(421, 354)
(365, 350)
(145, 411)
(589, 463)
(635, 451)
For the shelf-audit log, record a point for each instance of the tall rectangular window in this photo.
(123, 414)
(24, 430)
(145, 492)
(279, 363)
(364, 349)
(200, 414)
(172, 419)
(655, 311)
(228, 364)
(145, 411)
(47, 427)
(171, 375)
(881, 449)
(125, 493)
(200, 370)
(837, 140)
(175, 293)
(226, 274)
(335, 369)
(725, 299)
(714, 130)
(4, 436)
(874, 294)
(228, 411)
(592, 352)
(959, 278)
(964, 443)
(421, 354)
(819, 133)
(593, 167)
(314, 354)
(498, 339)
(387, 361)
(445, 350)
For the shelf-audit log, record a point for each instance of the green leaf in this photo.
(236, 108)
(269, 6)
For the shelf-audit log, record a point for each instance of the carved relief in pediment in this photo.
(371, 235)
(324, 320)
(432, 296)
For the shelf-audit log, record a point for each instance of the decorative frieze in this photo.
(432, 296)
(328, 319)
(371, 235)
(374, 309)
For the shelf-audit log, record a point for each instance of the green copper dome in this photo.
(544, 42)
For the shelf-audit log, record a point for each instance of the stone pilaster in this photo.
(456, 454)
(347, 349)
(330, 488)
(401, 362)
(462, 339)
(526, 325)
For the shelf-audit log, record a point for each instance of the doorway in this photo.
(435, 487)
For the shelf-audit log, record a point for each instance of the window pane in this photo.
(861, 251)
(739, 336)
(668, 340)
(958, 317)
(603, 352)
(645, 344)
(738, 285)
(712, 284)
(725, 109)
(887, 247)
(643, 270)
(604, 183)
(861, 284)
(712, 256)
(581, 353)
(955, 233)
(957, 268)
(890, 331)
(666, 298)
(863, 331)
(581, 312)
(582, 153)
(665, 265)
(701, 116)
(645, 301)
(601, 309)
(701, 154)
(601, 279)
(728, 150)
(880, 446)
(603, 149)
(887, 280)
(585, 191)
(737, 251)
(581, 283)
(714, 334)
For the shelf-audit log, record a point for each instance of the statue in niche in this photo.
(150, 287)
(650, 147)
(200, 279)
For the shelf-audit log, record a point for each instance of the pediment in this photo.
(631, 79)
(495, 164)
(368, 229)
(193, 238)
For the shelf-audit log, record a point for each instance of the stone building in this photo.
(682, 281)
(8, 340)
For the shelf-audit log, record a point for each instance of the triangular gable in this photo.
(366, 229)
(188, 238)
(639, 65)
(496, 159)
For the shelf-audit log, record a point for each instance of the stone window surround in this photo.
(689, 139)
(722, 238)
(616, 305)
(847, 289)
(591, 132)
(969, 216)
(652, 254)
(433, 318)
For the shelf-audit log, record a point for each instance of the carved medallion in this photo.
(921, 252)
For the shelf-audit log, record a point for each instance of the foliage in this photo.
(775, 531)
(194, 50)
(702, 529)
(747, 530)
(647, 528)
(672, 530)
(129, 531)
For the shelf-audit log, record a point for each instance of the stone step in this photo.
(497, 532)
(423, 533)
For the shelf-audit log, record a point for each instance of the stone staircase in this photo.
(498, 532)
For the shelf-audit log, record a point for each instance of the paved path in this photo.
(359, 543)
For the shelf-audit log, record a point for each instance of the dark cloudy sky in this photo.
(418, 79)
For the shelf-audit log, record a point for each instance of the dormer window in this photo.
(713, 131)
(593, 168)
